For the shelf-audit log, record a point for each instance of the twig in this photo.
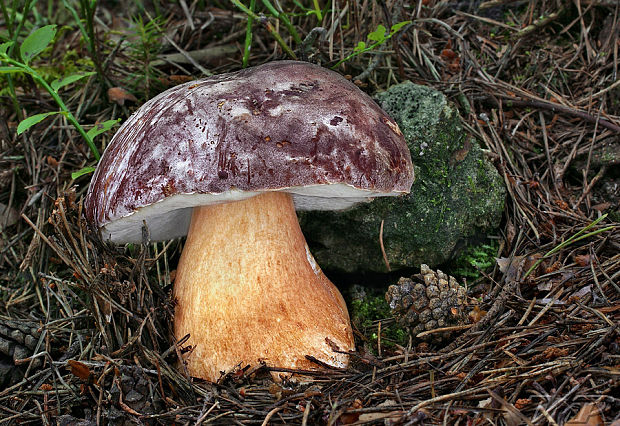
(271, 413)
(539, 24)
(485, 20)
(306, 45)
(304, 421)
(442, 329)
(588, 188)
(599, 93)
(204, 55)
(553, 107)
(385, 259)
(186, 55)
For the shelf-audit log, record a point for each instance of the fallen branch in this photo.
(553, 107)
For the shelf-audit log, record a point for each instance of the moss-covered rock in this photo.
(457, 194)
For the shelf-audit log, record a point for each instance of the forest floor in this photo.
(85, 335)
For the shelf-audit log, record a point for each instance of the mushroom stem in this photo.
(248, 291)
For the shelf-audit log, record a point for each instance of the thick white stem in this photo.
(249, 291)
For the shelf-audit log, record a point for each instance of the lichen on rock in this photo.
(458, 194)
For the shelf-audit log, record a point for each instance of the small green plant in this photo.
(144, 46)
(281, 16)
(87, 28)
(315, 10)
(377, 38)
(475, 259)
(367, 309)
(32, 46)
(248, 36)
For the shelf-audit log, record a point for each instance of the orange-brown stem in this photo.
(248, 290)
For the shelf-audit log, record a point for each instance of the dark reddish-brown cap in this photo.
(282, 126)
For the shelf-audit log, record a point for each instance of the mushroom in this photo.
(226, 160)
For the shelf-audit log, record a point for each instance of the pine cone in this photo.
(18, 340)
(428, 301)
(137, 392)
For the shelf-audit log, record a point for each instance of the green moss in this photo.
(475, 259)
(366, 310)
(615, 215)
(71, 63)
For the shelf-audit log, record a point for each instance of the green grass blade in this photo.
(282, 17)
(269, 27)
(82, 172)
(247, 46)
(317, 11)
(573, 239)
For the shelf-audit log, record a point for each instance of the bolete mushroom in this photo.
(226, 160)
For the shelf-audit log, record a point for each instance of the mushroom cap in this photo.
(282, 126)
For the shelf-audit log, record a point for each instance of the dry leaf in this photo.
(511, 418)
(602, 206)
(392, 416)
(561, 204)
(545, 285)
(8, 216)
(515, 267)
(448, 54)
(552, 353)
(521, 403)
(531, 261)
(484, 403)
(178, 79)
(348, 418)
(589, 415)
(511, 233)
(476, 315)
(555, 266)
(512, 267)
(51, 161)
(120, 95)
(584, 291)
(78, 369)
(583, 259)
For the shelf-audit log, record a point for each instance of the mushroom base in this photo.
(249, 291)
